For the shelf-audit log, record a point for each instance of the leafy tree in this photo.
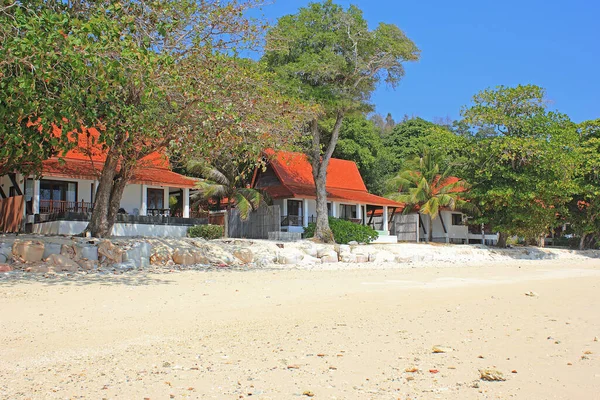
(584, 208)
(423, 186)
(327, 54)
(360, 142)
(522, 174)
(227, 179)
(150, 76)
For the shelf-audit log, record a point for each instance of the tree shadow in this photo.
(137, 278)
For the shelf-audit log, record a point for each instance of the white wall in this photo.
(119, 229)
(132, 198)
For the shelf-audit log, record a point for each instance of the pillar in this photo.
(186, 203)
(359, 212)
(284, 211)
(334, 209)
(144, 200)
(385, 219)
(305, 212)
(35, 199)
(166, 196)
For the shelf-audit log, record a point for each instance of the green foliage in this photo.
(207, 232)
(360, 142)
(345, 232)
(522, 171)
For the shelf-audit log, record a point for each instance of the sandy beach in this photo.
(289, 334)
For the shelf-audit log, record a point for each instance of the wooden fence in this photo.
(257, 226)
(11, 214)
(406, 227)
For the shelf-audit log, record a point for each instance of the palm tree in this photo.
(226, 180)
(423, 187)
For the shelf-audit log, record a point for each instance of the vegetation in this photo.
(327, 55)
(208, 232)
(422, 186)
(345, 232)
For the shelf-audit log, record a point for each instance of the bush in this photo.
(207, 232)
(345, 231)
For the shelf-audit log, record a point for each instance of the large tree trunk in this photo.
(99, 226)
(430, 232)
(542, 241)
(319, 169)
(582, 241)
(502, 237)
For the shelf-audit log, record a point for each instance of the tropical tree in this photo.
(150, 76)
(328, 55)
(522, 169)
(227, 180)
(424, 187)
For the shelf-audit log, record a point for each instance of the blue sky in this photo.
(470, 45)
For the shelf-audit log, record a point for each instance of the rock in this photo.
(403, 259)
(411, 369)
(199, 257)
(124, 266)
(160, 258)
(491, 375)
(531, 294)
(145, 249)
(362, 258)
(308, 393)
(6, 252)
(39, 269)
(51, 248)
(59, 262)
(441, 349)
(87, 265)
(244, 255)
(342, 248)
(289, 257)
(108, 253)
(67, 250)
(29, 250)
(348, 258)
(329, 259)
(310, 249)
(134, 254)
(309, 260)
(353, 243)
(144, 262)
(86, 252)
(383, 256)
(329, 253)
(183, 257)
(323, 251)
(5, 268)
(3, 258)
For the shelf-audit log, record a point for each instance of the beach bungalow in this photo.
(60, 202)
(288, 181)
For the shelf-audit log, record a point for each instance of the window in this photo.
(329, 210)
(156, 198)
(457, 219)
(294, 210)
(58, 191)
(347, 211)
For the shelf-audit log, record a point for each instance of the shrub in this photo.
(345, 231)
(206, 231)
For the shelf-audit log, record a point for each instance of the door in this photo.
(295, 212)
(156, 201)
(57, 196)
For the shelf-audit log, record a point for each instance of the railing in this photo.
(57, 206)
(158, 211)
(291, 220)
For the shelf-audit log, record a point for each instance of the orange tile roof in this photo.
(87, 160)
(344, 182)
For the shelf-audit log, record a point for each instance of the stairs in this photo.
(385, 238)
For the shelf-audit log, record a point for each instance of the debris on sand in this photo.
(491, 375)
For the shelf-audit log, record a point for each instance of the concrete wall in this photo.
(132, 198)
(120, 229)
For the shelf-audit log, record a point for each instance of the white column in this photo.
(144, 200)
(186, 203)
(35, 203)
(334, 209)
(305, 212)
(284, 211)
(385, 219)
(167, 195)
(359, 212)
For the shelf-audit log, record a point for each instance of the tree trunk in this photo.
(582, 241)
(98, 226)
(502, 237)
(319, 169)
(542, 241)
(116, 195)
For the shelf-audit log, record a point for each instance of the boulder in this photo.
(108, 253)
(124, 266)
(183, 257)
(362, 258)
(289, 257)
(6, 252)
(145, 249)
(383, 256)
(329, 259)
(39, 268)
(51, 248)
(348, 258)
(29, 250)
(144, 262)
(199, 257)
(88, 265)
(308, 260)
(403, 259)
(342, 248)
(309, 248)
(244, 255)
(161, 257)
(3, 258)
(87, 252)
(330, 254)
(353, 243)
(323, 251)
(5, 268)
(68, 250)
(59, 262)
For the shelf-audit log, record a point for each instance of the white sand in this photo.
(346, 334)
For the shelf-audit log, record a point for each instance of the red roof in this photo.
(344, 182)
(87, 160)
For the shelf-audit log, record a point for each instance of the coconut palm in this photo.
(422, 186)
(226, 181)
